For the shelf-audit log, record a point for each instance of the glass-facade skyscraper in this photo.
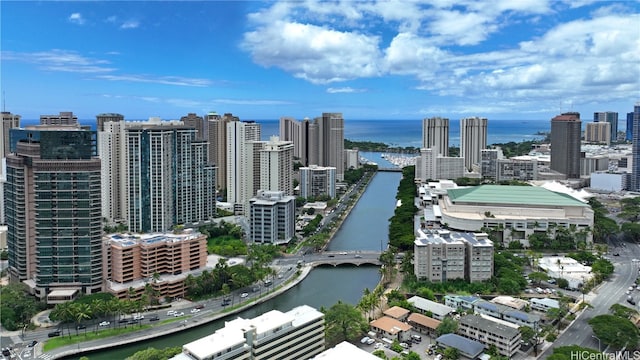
(53, 209)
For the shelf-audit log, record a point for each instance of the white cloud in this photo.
(165, 80)
(130, 24)
(448, 47)
(76, 18)
(347, 89)
(314, 53)
(61, 60)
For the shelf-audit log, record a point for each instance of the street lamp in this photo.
(599, 347)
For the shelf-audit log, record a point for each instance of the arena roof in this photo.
(511, 195)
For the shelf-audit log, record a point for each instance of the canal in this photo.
(366, 228)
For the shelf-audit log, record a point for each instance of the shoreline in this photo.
(171, 328)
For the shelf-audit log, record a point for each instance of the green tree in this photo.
(412, 356)
(568, 353)
(156, 354)
(451, 353)
(381, 354)
(527, 333)
(622, 311)
(615, 331)
(343, 322)
(562, 283)
(448, 325)
(538, 276)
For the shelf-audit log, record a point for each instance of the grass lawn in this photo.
(89, 335)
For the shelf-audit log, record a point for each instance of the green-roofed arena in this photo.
(514, 211)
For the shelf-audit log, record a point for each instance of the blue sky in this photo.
(501, 59)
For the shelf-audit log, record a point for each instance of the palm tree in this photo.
(81, 312)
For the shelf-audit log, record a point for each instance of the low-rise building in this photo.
(424, 306)
(514, 212)
(505, 338)
(467, 348)
(544, 304)
(162, 260)
(397, 312)
(510, 301)
(464, 302)
(423, 323)
(507, 313)
(566, 268)
(296, 334)
(391, 328)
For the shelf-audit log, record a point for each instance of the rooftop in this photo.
(511, 195)
(423, 320)
(468, 347)
(396, 312)
(390, 325)
(345, 350)
(490, 326)
(428, 305)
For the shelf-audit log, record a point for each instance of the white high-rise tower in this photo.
(473, 138)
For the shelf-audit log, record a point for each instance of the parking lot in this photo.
(420, 347)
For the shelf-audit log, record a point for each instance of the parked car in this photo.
(105, 323)
(370, 341)
(364, 339)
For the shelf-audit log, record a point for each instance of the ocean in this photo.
(403, 133)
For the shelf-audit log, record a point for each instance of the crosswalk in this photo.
(45, 356)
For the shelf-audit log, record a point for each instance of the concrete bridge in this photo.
(387, 169)
(336, 258)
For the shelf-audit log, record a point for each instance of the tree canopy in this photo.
(615, 331)
(156, 354)
(343, 322)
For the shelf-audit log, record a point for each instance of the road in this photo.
(610, 292)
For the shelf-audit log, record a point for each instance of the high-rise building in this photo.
(441, 255)
(243, 145)
(217, 134)
(169, 181)
(566, 132)
(435, 135)
(351, 159)
(331, 142)
(431, 166)
(629, 133)
(196, 122)
(272, 216)
(276, 166)
(317, 181)
(291, 130)
(64, 118)
(473, 138)
(111, 151)
(9, 121)
(598, 133)
(107, 117)
(53, 211)
(635, 149)
(295, 334)
(611, 118)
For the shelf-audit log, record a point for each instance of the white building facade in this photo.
(272, 217)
